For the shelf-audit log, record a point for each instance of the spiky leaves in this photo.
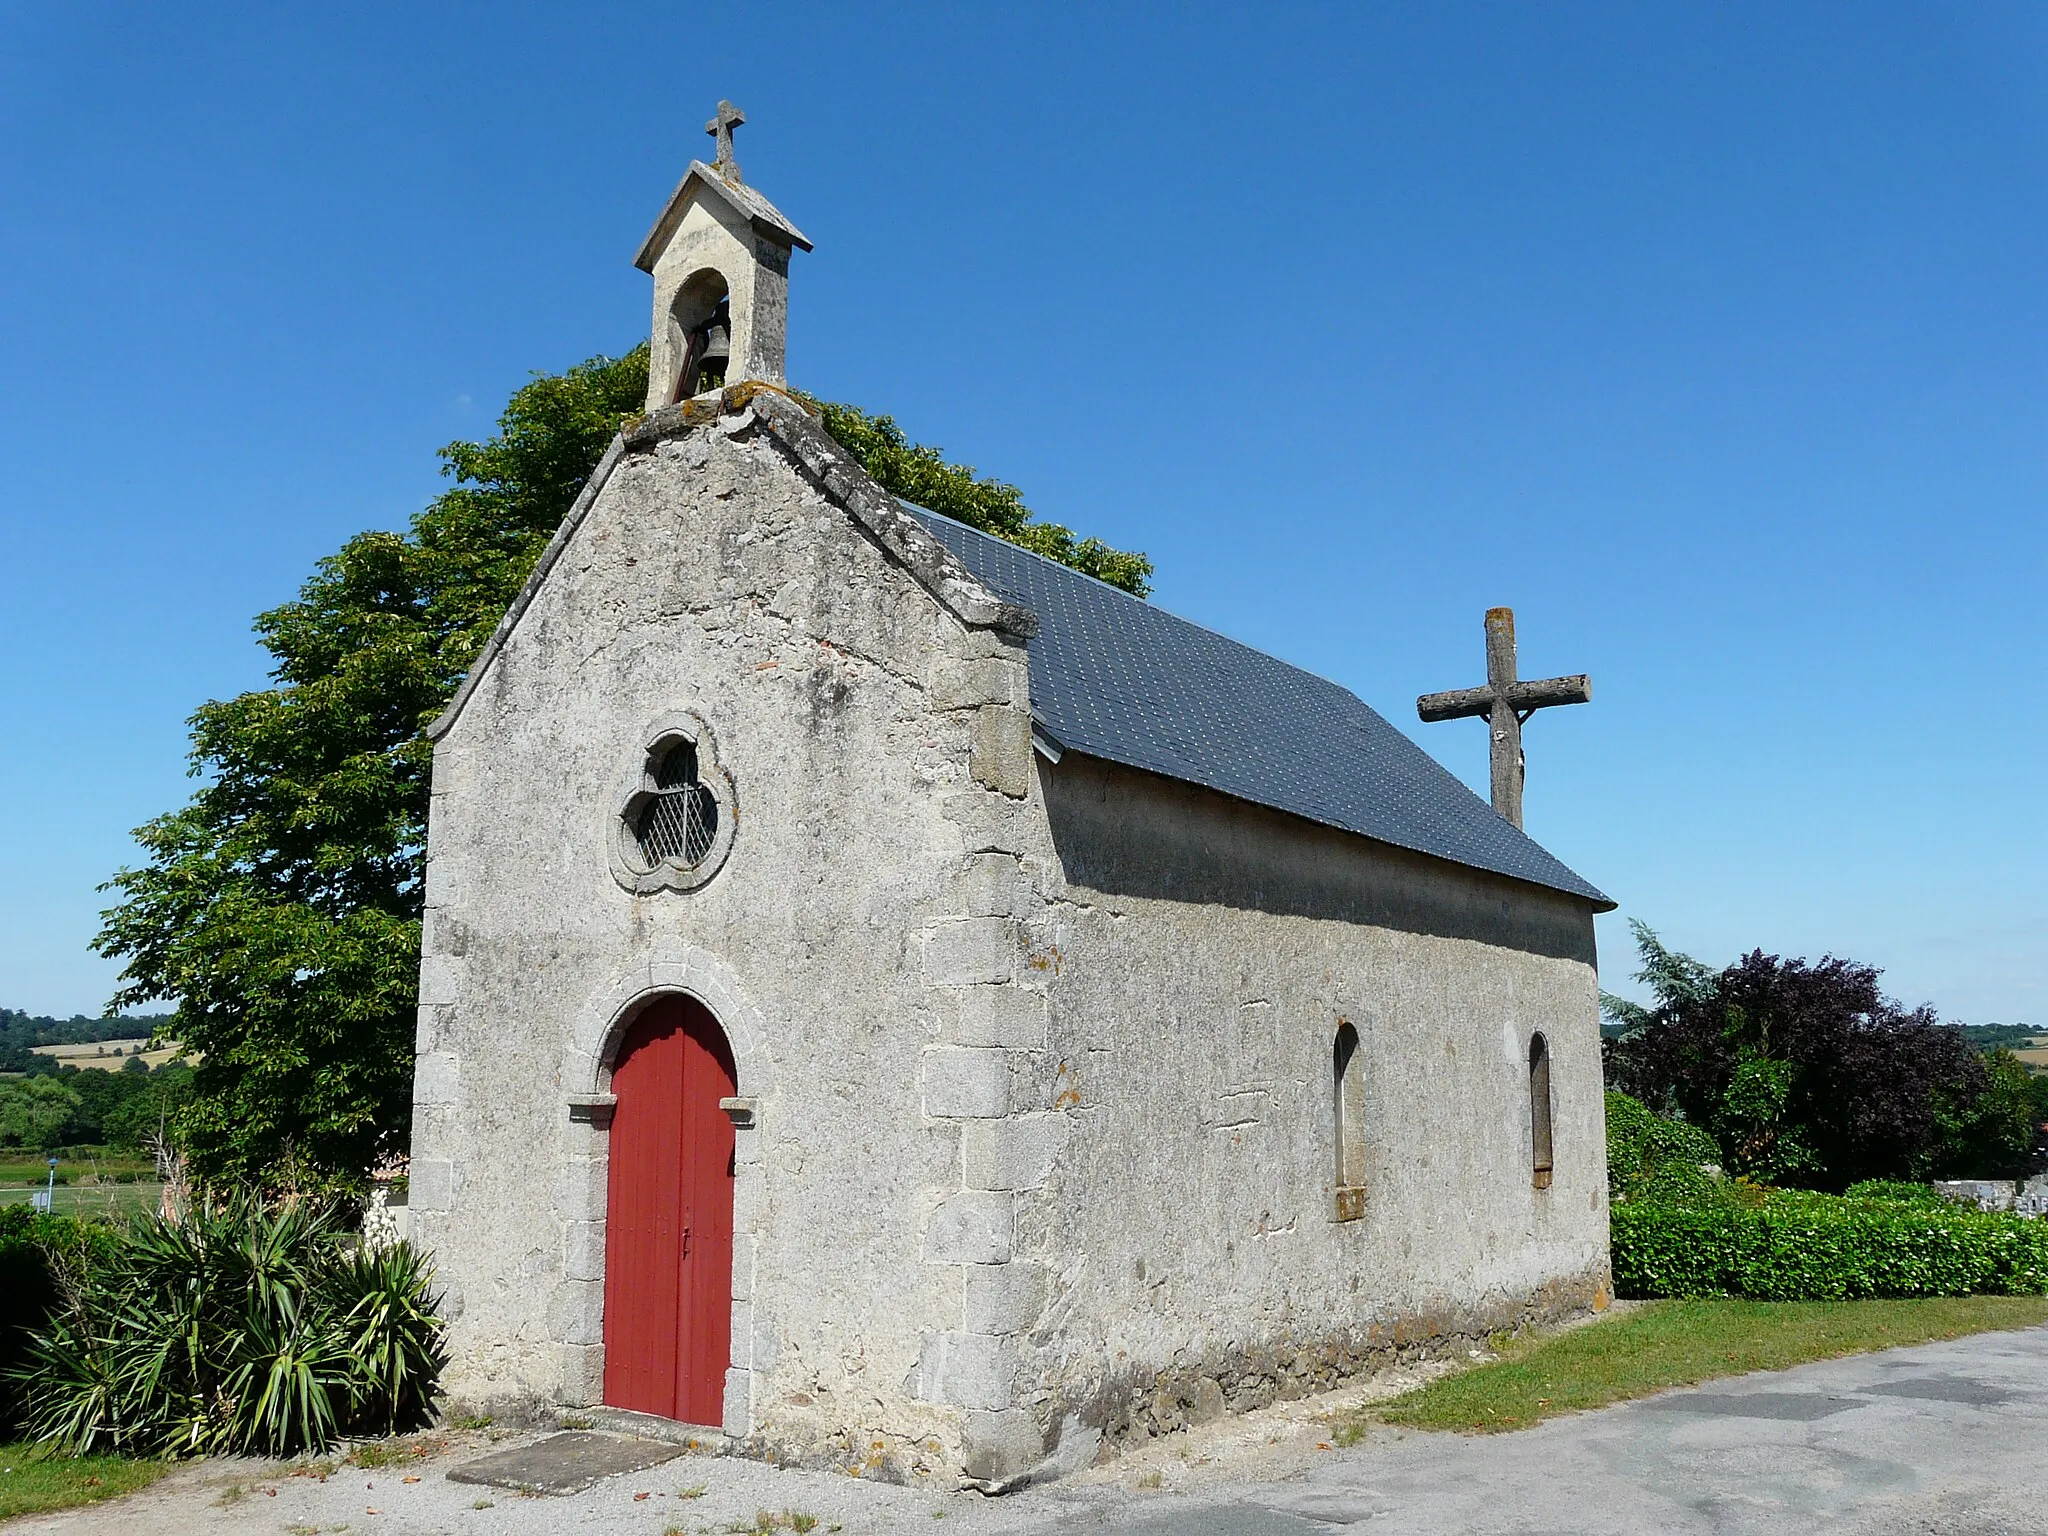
(239, 1328)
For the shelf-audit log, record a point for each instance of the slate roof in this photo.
(1118, 678)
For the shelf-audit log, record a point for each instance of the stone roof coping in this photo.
(765, 218)
(837, 472)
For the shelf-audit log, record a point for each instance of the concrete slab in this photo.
(565, 1463)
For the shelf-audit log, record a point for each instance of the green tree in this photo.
(1675, 980)
(144, 1118)
(34, 1111)
(280, 908)
(1992, 1136)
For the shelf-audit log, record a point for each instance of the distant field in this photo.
(91, 1199)
(85, 1184)
(108, 1055)
(74, 1164)
(2035, 1055)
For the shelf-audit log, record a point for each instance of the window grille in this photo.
(679, 821)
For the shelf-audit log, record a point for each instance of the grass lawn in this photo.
(106, 1200)
(73, 1164)
(1676, 1343)
(31, 1483)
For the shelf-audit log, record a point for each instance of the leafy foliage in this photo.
(240, 1328)
(1675, 980)
(1679, 1230)
(1792, 1245)
(1652, 1157)
(1995, 1136)
(280, 909)
(64, 1106)
(921, 475)
(143, 1116)
(1808, 1074)
(1899, 1190)
(34, 1111)
(30, 1244)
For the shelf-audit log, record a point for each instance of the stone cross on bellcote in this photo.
(720, 128)
(1506, 703)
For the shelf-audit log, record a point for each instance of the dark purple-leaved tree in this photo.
(1807, 1074)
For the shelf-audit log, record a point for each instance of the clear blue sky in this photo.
(1709, 337)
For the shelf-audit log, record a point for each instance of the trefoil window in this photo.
(675, 821)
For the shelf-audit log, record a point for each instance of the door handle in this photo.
(686, 1241)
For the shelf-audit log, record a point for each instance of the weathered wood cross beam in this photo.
(720, 128)
(1506, 703)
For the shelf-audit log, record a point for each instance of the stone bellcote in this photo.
(719, 256)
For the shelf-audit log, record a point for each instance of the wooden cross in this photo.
(720, 128)
(1506, 703)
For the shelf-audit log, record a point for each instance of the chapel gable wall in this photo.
(861, 934)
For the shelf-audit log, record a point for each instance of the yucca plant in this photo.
(391, 1333)
(238, 1327)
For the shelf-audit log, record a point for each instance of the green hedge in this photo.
(1794, 1246)
(1650, 1157)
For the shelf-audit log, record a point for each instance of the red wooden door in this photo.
(668, 1232)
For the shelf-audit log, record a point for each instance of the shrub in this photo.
(238, 1328)
(1650, 1157)
(1900, 1190)
(1796, 1246)
(28, 1239)
(1808, 1074)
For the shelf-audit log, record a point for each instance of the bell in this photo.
(717, 342)
(711, 350)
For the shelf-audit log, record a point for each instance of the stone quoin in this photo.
(1036, 1019)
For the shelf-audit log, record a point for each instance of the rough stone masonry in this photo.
(1040, 1133)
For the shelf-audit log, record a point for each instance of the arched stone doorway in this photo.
(668, 1217)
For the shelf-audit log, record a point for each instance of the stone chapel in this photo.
(899, 1004)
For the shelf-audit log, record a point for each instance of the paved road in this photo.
(1947, 1438)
